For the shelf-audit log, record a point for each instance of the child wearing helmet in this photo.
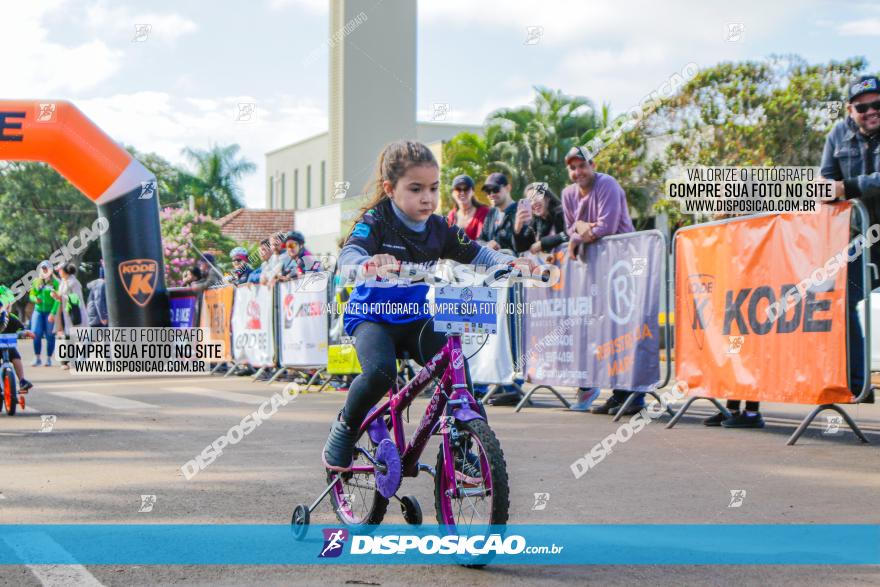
(298, 259)
(10, 324)
(241, 269)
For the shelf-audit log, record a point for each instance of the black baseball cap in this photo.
(463, 179)
(866, 84)
(495, 180)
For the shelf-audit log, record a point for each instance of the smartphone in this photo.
(525, 204)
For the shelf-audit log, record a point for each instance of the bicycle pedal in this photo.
(428, 469)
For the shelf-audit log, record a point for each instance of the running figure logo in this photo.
(334, 540)
(147, 503)
(541, 500)
(48, 423)
(737, 497)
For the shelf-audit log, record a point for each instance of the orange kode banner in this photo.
(728, 274)
(216, 316)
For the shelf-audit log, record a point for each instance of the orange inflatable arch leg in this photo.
(57, 133)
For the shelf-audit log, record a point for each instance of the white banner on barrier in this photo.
(253, 331)
(493, 364)
(303, 321)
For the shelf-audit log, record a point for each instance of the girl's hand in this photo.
(525, 265)
(572, 250)
(381, 265)
(51, 318)
(535, 248)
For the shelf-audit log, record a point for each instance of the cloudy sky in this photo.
(180, 83)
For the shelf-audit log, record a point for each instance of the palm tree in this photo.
(529, 143)
(215, 182)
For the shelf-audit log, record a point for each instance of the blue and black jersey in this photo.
(384, 230)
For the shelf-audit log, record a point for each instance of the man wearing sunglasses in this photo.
(498, 230)
(851, 161)
(851, 158)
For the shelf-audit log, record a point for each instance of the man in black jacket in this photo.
(498, 230)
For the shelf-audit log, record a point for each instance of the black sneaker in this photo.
(718, 418)
(510, 398)
(24, 385)
(631, 410)
(338, 451)
(606, 407)
(744, 420)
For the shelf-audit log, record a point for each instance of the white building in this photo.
(372, 49)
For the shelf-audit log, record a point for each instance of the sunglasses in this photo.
(536, 190)
(491, 190)
(461, 188)
(862, 108)
(292, 245)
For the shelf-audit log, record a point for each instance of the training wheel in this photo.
(388, 483)
(412, 511)
(299, 522)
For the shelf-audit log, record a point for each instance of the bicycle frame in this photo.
(452, 391)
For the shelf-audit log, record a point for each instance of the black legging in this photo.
(377, 345)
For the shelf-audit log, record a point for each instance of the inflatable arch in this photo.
(57, 133)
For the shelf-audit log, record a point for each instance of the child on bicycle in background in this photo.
(10, 324)
(397, 225)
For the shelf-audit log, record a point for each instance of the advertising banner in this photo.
(727, 276)
(598, 327)
(253, 330)
(302, 321)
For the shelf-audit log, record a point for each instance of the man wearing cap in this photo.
(594, 206)
(851, 161)
(467, 213)
(497, 230)
(208, 266)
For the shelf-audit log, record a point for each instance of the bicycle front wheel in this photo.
(10, 396)
(474, 492)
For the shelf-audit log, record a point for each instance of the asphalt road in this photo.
(116, 439)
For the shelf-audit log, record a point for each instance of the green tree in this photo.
(218, 171)
(42, 211)
(466, 153)
(752, 113)
(529, 143)
(185, 237)
(175, 184)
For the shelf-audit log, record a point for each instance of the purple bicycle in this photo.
(470, 479)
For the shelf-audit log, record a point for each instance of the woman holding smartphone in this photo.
(540, 221)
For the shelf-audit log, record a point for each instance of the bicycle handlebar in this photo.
(419, 272)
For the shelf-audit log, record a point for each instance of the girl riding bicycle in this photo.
(398, 225)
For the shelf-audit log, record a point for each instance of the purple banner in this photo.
(598, 327)
(183, 310)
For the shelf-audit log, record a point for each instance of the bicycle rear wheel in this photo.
(355, 497)
(10, 395)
